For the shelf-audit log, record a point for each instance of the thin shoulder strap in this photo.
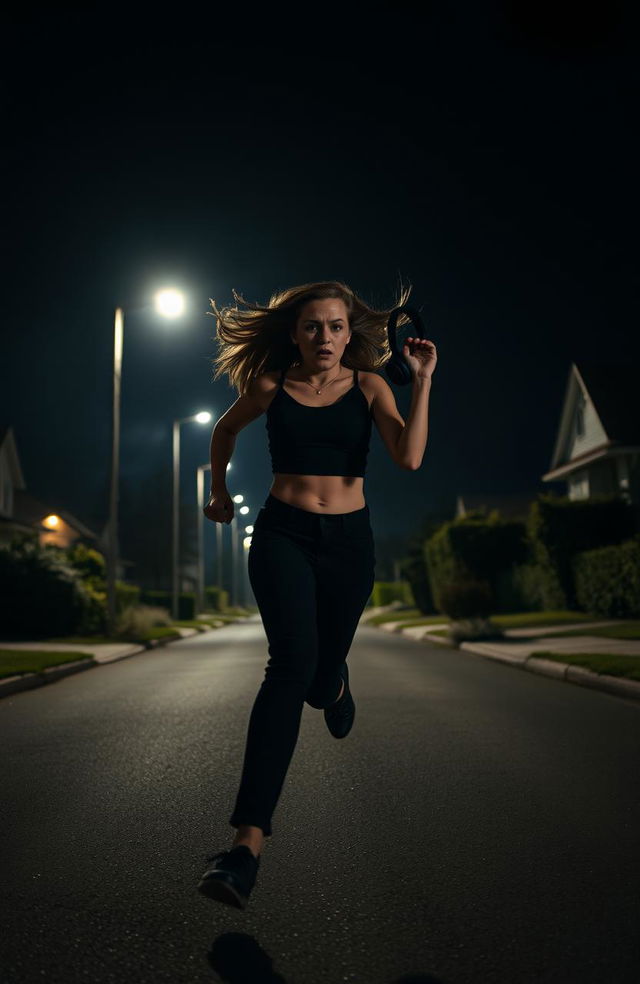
(355, 378)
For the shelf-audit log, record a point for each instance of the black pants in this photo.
(312, 575)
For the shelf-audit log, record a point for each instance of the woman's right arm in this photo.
(246, 409)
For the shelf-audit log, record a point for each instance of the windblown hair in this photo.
(257, 339)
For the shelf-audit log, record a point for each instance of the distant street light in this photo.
(169, 303)
(200, 418)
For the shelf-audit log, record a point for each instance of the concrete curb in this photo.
(567, 672)
(27, 681)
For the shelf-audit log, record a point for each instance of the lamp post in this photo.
(201, 418)
(219, 531)
(200, 537)
(170, 304)
(236, 546)
(246, 543)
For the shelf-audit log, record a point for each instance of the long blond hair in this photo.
(257, 340)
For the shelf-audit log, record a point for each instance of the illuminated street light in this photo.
(169, 303)
(199, 418)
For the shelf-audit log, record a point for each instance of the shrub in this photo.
(41, 594)
(136, 621)
(216, 599)
(559, 528)
(477, 548)
(385, 592)
(470, 629)
(413, 569)
(608, 580)
(466, 598)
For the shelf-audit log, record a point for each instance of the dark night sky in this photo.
(487, 156)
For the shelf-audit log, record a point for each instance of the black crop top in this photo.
(328, 440)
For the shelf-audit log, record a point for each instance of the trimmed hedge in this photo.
(384, 592)
(216, 598)
(607, 580)
(414, 570)
(477, 548)
(162, 599)
(467, 599)
(559, 528)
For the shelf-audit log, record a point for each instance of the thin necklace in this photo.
(325, 385)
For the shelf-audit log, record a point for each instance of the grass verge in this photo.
(628, 629)
(15, 661)
(613, 664)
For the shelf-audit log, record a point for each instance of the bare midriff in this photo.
(320, 493)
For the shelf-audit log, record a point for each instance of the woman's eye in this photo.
(335, 328)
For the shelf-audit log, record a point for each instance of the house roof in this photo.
(614, 390)
(7, 438)
(31, 511)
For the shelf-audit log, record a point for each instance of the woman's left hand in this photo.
(421, 357)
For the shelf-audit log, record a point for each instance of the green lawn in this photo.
(522, 620)
(517, 620)
(628, 629)
(610, 663)
(403, 615)
(14, 661)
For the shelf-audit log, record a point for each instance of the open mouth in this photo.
(323, 352)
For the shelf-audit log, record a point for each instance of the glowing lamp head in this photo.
(204, 417)
(169, 303)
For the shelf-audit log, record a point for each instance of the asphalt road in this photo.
(478, 824)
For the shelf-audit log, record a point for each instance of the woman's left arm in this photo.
(421, 357)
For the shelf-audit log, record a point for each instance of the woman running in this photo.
(307, 361)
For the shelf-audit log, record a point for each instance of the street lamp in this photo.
(169, 303)
(236, 545)
(219, 543)
(246, 544)
(201, 418)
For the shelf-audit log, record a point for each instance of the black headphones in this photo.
(396, 367)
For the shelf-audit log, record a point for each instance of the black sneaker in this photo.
(232, 876)
(339, 716)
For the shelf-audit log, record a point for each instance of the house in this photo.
(23, 513)
(597, 448)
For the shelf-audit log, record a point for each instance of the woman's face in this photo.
(322, 325)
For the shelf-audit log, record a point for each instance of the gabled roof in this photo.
(31, 511)
(615, 392)
(7, 439)
(612, 390)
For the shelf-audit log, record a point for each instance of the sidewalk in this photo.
(101, 652)
(514, 651)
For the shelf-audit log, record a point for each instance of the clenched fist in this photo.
(219, 508)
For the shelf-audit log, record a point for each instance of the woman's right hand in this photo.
(219, 508)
